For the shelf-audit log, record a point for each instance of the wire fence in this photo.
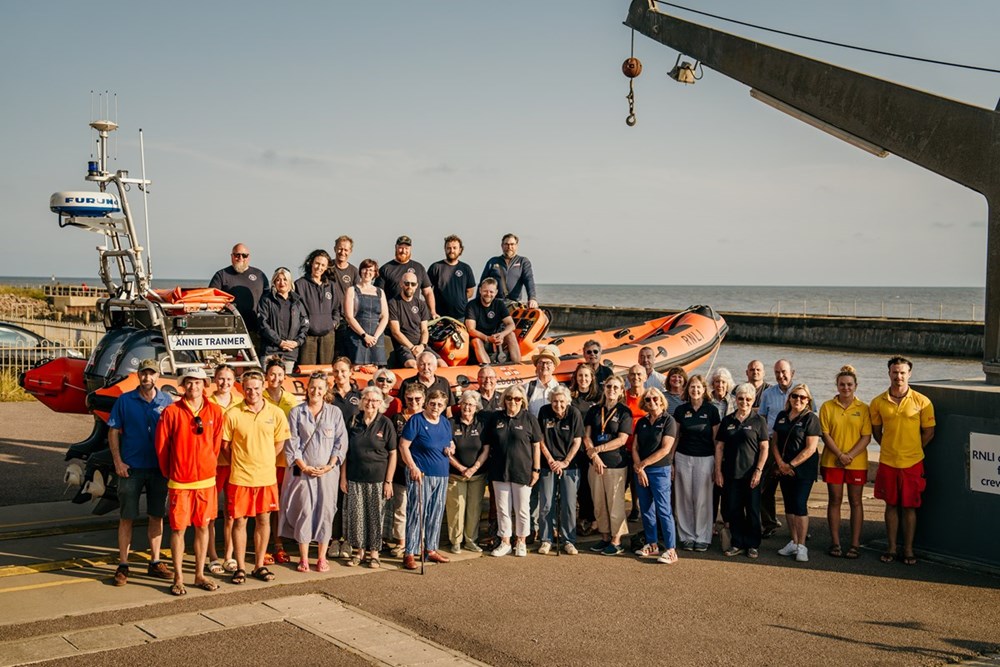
(958, 312)
(15, 359)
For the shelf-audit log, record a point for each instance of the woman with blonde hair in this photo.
(282, 319)
(846, 427)
(652, 456)
(606, 428)
(467, 477)
(794, 444)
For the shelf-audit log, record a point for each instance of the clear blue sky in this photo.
(283, 125)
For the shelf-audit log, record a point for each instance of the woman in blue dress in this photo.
(367, 316)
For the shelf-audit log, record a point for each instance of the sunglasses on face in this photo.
(513, 399)
(382, 380)
(799, 397)
(409, 284)
(241, 255)
(414, 399)
(199, 426)
(744, 399)
(592, 353)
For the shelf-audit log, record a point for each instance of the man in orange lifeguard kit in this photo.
(188, 438)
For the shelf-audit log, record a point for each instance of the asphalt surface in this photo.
(587, 609)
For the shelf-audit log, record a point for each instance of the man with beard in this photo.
(452, 280)
(408, 316)
(131, 438)
(390, 275)
(490, 325)
(246, 283)
(512, 272)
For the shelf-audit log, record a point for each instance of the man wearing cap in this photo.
(254, 431)
(512, 272)
(188, 439)
(390, 275)
(537, 392)
(246, 283)
(490, 325)
(131, 438)
(452, 279)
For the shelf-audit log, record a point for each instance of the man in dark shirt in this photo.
(452, 280)
(391, 273)
(408, 316)
(246, 283)
(512, 272)
(341, 270)
(489, 323)
(426, 375)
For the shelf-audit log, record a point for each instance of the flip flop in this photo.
(178, 590)
(281, 557)
(239, 577)
(835, 551)
(207, 585)
(303, 566)
(888, 557)
(215, 567)
(263, 574)
(908, 560)
(230, 565)
(852, 553)
(322, 565)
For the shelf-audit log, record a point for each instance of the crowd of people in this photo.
(364, 472)
(668, 461)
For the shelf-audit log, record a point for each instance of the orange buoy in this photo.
(632, 67)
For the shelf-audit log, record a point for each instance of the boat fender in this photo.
(74, 474)
(95, 487)
(84, 204)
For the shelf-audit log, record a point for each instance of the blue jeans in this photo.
(434, 493)
(654, 503)
(568, 484)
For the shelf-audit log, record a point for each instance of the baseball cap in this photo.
(198, 373)
(404, 240)
(148, 365)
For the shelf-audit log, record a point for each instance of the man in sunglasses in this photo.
(131, 438)
(246, 283)
(188, 439)
(592, 357)
(408, 317)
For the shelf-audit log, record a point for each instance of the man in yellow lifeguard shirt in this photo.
(903, 424)
(253, 433)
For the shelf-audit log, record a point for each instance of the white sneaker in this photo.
(544, 548)
(345, 549)
(570, 549)
(803, 554)
(502, 550)
(648, 551)
(521, 550)
(789, 549)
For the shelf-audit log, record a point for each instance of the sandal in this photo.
(263, 574)
(303, 566)
(355, 561)
(215, 567)
(322, 565)
(888, 557)
(834, 551)
(230, 565)
(374, 563)
(908, 560)
(281, 557)
(239, 576)
(268, 559)
(178, 590)
(852, 553)
(207, 585)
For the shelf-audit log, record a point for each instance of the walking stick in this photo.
(420, 502)
(558, 531)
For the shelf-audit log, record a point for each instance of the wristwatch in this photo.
(536, 470)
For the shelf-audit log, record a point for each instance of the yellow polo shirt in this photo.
(845, 426)
(901, 423)
(287, 401)
(252, 439)
(233, 400)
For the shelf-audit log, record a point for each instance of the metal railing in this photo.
(19, 358)
(958, 312)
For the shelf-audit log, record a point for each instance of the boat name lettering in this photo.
(693, 337)
(210, 342)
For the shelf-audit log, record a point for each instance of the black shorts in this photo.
(131, 487)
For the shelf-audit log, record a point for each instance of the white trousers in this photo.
(513, 500)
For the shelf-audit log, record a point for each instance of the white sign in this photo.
(210, 342)
(984, 463)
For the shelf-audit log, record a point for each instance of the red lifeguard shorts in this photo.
(900, 486)
(192, 507)
(249, 501)
(837, 475)
(222, 478)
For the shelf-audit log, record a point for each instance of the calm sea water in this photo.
(817, 368)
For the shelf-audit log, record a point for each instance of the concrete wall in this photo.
(933, 337)
(954, 521)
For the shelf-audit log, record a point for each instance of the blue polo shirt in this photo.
(137, 420)
(427, 444)
(772, 401)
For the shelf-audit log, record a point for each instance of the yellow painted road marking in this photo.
(50, 566)
(50, 584)
(35, 523)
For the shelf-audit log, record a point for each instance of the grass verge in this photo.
(10, 391)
